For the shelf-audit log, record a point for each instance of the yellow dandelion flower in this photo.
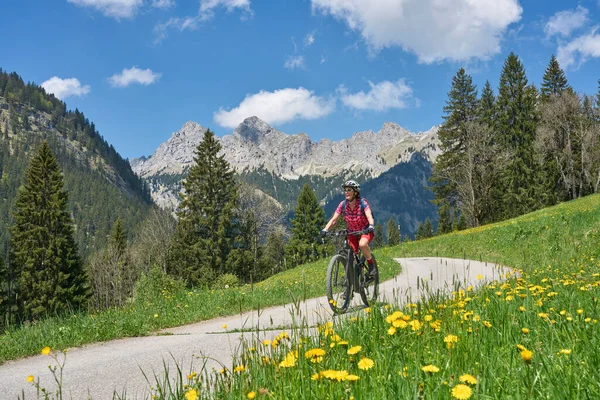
(368, 310)
(266, 342)
(525, 331)
(191, 376)
(342, 343)
(564, 351)
(430, 368)
(468, 378)
(415, 325)
(312, 353)
(487, 324)
(351, 378)
(461, 392)
(155, 315)
(479, 277)
(427, 318)
(522, 309)
(289, 361)
(365, 364)
(30, 378)
(240, 368)
(391, 330)
(527, 355)
(354, 349)
(399, 323)
(46, 350)
(191, 394)
(580, 311)
(315, 377)
(251, 395)
(224, 326)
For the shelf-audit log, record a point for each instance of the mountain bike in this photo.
(348, 273)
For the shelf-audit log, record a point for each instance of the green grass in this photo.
(169, 310)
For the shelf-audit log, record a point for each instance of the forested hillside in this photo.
(99, 181)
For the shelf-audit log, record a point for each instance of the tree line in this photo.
(508, 154)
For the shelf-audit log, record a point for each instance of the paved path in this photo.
(101, 368)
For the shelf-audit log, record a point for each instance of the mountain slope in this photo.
(100, 183)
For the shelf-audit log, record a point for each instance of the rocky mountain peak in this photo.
(255, 130)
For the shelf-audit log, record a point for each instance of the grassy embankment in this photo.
(532, 336)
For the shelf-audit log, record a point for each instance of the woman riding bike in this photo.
(358, 216)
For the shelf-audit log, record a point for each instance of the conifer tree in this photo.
(393, 232)
(487, 105)
(427, 228)
(515, 127)
(445, 220)
(118, 238)
(460, 108)
(206, 226)
(554, 82)
(378, 240)
(49, 273)
(309, 219)
(274, 254)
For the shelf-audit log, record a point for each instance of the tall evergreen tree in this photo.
(393, 232)
(274, 254)
(487, 105)
(118, 238)
(460, 108)
(378, 240)
(50, 274)
(515, 127)
(445, 220)
(554, 82)
(427, 228)
(206, 226)
(309, 219)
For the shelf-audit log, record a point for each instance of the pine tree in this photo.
(515, 127)
(206, 226)
(118, 238)
(274, 254)
(487, 105)
(427, 228)
(445, 220)
(50, 274)
(378, 240)
(309, 219)
(554, 82)
(460, 108)
(393, 232)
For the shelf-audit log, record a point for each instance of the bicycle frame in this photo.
(352, 261)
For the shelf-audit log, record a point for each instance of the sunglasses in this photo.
(348, 190)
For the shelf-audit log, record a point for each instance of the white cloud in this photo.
(207, 7)
(112, 8)
(382, 96)
(205, 12)
(63, 88)
(585, 46)
(277, 107)
(293, 62)
(309, 39)
(434, 30)
(134, 75)
(565, 22)
(163, 3)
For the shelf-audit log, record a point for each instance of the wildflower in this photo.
(30, 378)
(251, 395)
(368, 310)
(564, 351)
(479, 277)
(391, 330)
(191, 376)
(467, 378)
(525, 331)
(399, 324)
(365, 364)
(522, 309)
(335, 375)
(527, 355)
(450, 340)
(487, 324)
(315, 355)
(224, 326)
(266, 342)
(155, 315)
(430, 368)
(354, 349)
(315, 377)
(427, 318)
(240, 368)
(351, 378)
(191, 394)
(415, 325)
(46, 350)
(289, 361)
(461, 392)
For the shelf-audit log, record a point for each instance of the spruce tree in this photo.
(309, 219)
(378, 240)
(274, 254)
(445, 220)
(554, 82)
(427, 228)
(118, 238)
(393, 233)
(515, 127)
(206, 227)
(487, 105)
(460, 108)
(50, 274)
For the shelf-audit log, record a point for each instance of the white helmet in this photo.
(352, 184)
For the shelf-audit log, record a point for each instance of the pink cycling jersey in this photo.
(355, 219)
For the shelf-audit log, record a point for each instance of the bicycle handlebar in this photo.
(345, 232)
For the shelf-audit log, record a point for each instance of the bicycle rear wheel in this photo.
(338, 289)
(369, 287)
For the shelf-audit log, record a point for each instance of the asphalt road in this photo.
(96, 371)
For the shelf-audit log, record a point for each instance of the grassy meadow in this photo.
(534, 335)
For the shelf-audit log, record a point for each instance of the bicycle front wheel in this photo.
(338, 288)
(369, 286)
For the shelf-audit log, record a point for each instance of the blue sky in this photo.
(139, 69)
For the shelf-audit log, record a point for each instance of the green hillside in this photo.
(100, 183)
